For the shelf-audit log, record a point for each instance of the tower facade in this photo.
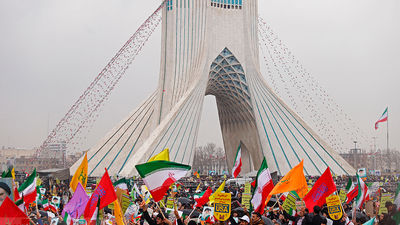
(210, 47)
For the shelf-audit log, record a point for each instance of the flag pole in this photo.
(387, 141)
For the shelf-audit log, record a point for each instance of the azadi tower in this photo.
(210, 47)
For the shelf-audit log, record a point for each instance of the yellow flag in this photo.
(13, 173)
(219, 190)
(80, 175)
(118, 213)
(198, 187)
(164, 155)
(292, 181)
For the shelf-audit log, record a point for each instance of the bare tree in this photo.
(209, 158)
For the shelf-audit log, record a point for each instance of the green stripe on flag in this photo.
(149, 168)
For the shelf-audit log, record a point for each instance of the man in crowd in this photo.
(5, 191)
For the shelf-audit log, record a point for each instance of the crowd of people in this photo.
(184, 212)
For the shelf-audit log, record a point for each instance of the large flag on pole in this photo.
(322, 188)
(80, 175)
(263, 187)
(160, 175)
(294, 180)
(28, 189)
(105, 190)
(237, 164)
(362, 192)
(382, 119)
(162, 156)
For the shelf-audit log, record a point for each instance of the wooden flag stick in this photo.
(160, 210)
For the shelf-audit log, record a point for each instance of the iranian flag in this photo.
(95, 220)
(160, 175)
(121, 184)
(262, 188)
(45, 204)
(383, 118)
(237, 165)
(203, 197)
(362, 192)
(397, 197)
(21, 204)
(28, 189)
(68, 219)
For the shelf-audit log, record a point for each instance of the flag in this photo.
(21, 204)
(322, 188)
(294, 180)
(135, 192)
(121, 184)
(95, 218)
(162, 156)
(349, 185)
(382, 119)
(203, 198)
(397, 197)
(196, 173)
(370, 222)
(362, 192)
(118, 213)
(68, 219)
(53, 207)
(219, 190)
(105, 190)
(11, 214)
(198, 187)
(6, 174)
(45, 204)
(263, 187)
(28, 189)
(80, 175)
(13, 173)
(237, 164)
(160, 175)
(76, 206)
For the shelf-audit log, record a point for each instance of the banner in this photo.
(342, 195)
(335, 210)
(385, 197)
(290, 203)
(246, 195)
(125, 202)
(222, 206)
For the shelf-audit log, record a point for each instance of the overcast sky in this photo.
(51, 50)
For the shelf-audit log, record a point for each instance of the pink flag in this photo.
(76, 206)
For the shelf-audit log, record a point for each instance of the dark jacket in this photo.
(295, 219)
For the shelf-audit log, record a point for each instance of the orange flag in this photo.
(294, 180)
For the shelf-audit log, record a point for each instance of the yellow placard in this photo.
(125, 202)
(246, 196)
(385, 197)
(334, 207)
(222, 206)
(290, 203)
(342, 195)
(170, 203)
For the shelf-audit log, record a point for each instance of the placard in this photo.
(334, 206)
(222, 206)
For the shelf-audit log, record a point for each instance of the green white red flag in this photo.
(237, 164)
(160, 175)
(382, 119)
(263, 187)
(28, 189)
(362, 192)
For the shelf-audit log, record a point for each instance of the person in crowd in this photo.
(5, 191)
(256, 219)
(301, 219)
